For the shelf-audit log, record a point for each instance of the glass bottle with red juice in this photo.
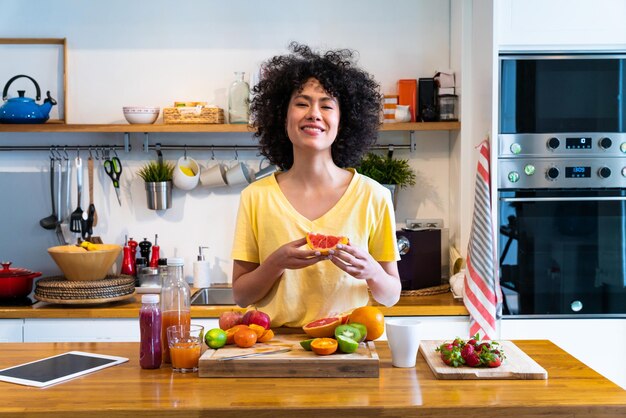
(150, 351)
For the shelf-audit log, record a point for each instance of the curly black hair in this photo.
(358, 94)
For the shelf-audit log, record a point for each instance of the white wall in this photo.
(155, 52)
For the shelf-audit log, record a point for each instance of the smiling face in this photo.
(312, 117)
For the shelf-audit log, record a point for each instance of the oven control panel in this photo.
(541, 173)
(562, 145)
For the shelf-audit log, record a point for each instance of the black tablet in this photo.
(57, 369)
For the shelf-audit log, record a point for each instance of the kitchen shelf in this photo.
(199, 128)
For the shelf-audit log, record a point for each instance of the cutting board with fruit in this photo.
(283, 356)
(516, 365)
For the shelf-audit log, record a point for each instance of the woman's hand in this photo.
(382, 278)
(292, 256)
(356, 262)
(252, 281)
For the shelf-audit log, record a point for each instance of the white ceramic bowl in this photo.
(141, 114)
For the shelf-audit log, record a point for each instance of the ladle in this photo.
(50, 222)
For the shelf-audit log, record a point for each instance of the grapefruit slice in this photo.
(322, 328)
(324, 243)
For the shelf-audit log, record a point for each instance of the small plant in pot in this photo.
(157, 176)
(392, 173)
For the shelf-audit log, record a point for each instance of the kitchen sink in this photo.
(215, 295)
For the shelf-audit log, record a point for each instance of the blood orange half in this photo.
(322, 328)
(324, 243)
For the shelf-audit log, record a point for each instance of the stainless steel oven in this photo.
(562, 185)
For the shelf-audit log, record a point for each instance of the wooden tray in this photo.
(295, 363)
(516, 365)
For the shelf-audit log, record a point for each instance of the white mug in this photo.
(182, 180)
(403, 337)
(213, 176)
(238, 174)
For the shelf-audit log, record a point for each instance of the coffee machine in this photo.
(422, 246)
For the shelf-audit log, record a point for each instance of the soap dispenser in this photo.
(201, 270)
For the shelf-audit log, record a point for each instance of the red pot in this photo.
(16, 282)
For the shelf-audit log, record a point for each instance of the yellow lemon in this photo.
(188, 171)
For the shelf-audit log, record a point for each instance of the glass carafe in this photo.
(238, 100)
(175, 301)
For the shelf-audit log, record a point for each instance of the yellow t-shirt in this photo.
(266, 220)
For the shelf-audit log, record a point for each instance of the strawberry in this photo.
(473, 360)
(467, 351)
(450, 354)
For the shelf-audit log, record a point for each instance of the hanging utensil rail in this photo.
(163, 147)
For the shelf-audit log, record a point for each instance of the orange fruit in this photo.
(324, 346)
(322, 328)
(258, 329)
(372, 318)
(245, 338)
(267, 336)
(230, 333)
(324, 243)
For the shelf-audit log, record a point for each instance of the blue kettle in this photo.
(24, 109)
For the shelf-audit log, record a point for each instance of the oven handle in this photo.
(562, 199)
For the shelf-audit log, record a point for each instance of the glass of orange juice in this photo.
(185, 342)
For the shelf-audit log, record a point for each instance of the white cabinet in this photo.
(440, 327)
(595, 342)
(11, 330)
(89, 329)
(560, 24)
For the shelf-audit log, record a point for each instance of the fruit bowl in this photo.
(141, 114)
(77, 263)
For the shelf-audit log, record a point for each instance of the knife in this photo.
(282, 350)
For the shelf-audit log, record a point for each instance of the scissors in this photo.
(113, 168)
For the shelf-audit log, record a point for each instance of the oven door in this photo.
(562, 93)
(563, 252)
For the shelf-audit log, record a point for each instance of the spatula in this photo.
(92, 207)
(76, 217)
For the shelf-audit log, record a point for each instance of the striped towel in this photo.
(482, 293)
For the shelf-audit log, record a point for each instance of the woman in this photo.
(314, 114)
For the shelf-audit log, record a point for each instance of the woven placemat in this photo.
(435, 290)
(85, 293)
(84, 301)
(60, 282)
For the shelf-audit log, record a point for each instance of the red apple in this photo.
(230, 319)
(256, 317)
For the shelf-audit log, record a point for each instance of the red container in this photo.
(16, 282)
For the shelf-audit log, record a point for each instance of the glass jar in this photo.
(150, 349)
(238, 100)
(175, 301)
(448, 107)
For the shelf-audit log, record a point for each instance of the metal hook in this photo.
(97, 152)
(52, 153)
(114, 152)
(390, 152)
(212, 152)
(236, 154)
(66, 155)
(90, 155)
(185, 155)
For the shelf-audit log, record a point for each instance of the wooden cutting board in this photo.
(516, 365)
(295, 363)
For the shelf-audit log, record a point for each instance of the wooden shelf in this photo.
(199, 128)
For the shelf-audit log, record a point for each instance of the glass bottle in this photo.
(238, 100)
(175, 301)
(150, 351)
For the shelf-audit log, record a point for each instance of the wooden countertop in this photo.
(435, 305)
(572, 390)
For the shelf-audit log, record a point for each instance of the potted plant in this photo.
(392, 173)
(157, 176)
